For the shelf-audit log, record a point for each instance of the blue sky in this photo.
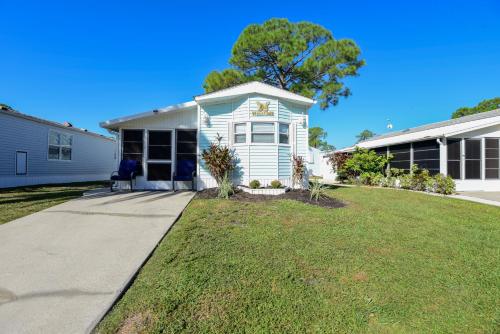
(90, 61)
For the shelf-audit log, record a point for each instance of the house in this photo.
(466, 148)
(262, 124)
(37, 151)
(319, 165)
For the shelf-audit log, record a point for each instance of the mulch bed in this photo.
(295, 194)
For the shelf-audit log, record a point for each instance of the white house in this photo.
(318, 165)
(264, 125)
(466, 148)
(37, 151)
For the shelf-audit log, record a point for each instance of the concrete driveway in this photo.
(485, 197)
(63, 267)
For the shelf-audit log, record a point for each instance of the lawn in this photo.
(389, 262)
(22, 201)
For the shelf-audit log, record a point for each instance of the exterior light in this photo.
(206, 119)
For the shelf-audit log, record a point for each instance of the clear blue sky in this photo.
(89, 61)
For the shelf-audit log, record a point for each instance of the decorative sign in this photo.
(263, 109)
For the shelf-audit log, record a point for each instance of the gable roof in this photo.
(15, 113)
(434, 130)
(253, 87)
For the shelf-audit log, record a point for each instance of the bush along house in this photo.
(262, 124)
(466, 149)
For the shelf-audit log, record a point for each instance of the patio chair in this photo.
(126, 172)
(186, 171)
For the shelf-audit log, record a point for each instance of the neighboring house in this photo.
(36, 151)
(318, 165)
(264, 125)
(465, 148)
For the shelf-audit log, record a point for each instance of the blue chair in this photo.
(127, 172)
(186, 171)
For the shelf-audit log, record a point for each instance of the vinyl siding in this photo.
(92, 157)
(264, 162)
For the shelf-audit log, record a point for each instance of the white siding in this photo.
(184, 119)
(93, 157)
(264, 162)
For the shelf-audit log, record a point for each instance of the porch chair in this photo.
(185, 171)
(126, 172)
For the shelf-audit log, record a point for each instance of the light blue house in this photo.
(264, 125)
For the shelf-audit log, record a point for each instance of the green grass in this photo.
(390, 262)
(22, 201)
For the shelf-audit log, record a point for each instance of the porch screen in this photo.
(472, 158)
(492, 158)
(159, 155)
(426, 155)
(186, 147)
(453, 146)
(132, 147)
(401, 156)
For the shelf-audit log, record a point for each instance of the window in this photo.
(263, 132)
(401, 156)
(132, 147)
(453, 146)
(185, 149)
(160, 145)
(492, 158)
(60, 146)
(426, 155)
(283, 133)
(240, 133)
(472, 158)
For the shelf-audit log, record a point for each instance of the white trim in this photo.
(109, 124)
(253, 87)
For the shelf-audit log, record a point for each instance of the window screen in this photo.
(426, 155)
(492, 161)
(401, 156)
(262, 132)
(453, 147)
(159, 171)
(132, 147)
(381, 150)
(160, 145)
(186, 146)
(472, 159)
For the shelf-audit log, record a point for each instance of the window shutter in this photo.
(230, 134)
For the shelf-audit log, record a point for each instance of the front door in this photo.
(159, 155)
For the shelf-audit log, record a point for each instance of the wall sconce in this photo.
(206, 119)
(304, 120)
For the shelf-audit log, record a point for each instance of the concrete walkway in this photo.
(62, 268)
(484, 197)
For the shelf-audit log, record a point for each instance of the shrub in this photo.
(420, 178)
(405, 181)
(364, 161)
(317, 190)
(371, 179)
(275, 184)
(337, 161)
(219, 160)
(254, 184)
(298, 171)
(388, 181)
(226, 187)
(395, 172)
(444, 184)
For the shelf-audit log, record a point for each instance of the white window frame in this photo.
(288, 134)
(60, 146)
(240, 133)
(273, 133)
